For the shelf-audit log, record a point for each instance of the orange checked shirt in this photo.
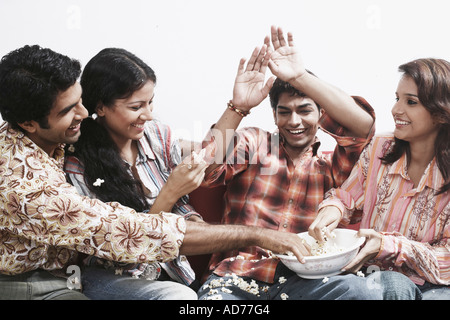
(265, 189)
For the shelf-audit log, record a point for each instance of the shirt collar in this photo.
(22, 141)
(145, 149)
(432, 177)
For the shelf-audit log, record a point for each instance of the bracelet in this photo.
(238, 111)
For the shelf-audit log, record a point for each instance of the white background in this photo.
(194, 46)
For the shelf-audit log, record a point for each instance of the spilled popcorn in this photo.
(284, 296)
(217, 286)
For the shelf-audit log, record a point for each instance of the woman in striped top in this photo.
(139, 161)
(400, 188)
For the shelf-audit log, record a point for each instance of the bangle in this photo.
(238, 111)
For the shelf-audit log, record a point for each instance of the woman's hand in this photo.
(327, 220)
(369, 251)
(187, 176)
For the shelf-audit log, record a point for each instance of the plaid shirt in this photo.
(266, 189)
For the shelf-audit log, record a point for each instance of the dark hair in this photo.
(280, 86)
(432, 77)
(31, 78)
(112, 74)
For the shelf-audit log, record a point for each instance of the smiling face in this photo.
(125, 120)
(413, 122)
(297, 119)
(63, 121)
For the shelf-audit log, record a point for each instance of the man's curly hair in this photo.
(31, 77)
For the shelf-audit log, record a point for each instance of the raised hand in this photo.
(285, 61)
(249, 88)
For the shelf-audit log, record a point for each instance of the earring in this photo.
(71, 148)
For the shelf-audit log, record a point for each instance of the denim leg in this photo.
(37, 285)
(397, 286)
(289, 286)
(340, 287)
(435, 292)
(102, 284)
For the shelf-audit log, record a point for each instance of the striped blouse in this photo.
(158, 155)
(414, 222)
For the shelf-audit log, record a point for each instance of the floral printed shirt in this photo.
(44, 221)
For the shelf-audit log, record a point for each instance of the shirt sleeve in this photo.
(241, 151)
(349, 198)
(169, 150)
(348, 148)
(59, 216)
(430, 262)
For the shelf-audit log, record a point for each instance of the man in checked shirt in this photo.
(277, 180)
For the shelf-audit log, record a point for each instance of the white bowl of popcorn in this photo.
(327, 258)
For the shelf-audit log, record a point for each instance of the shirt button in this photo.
(291, 200)
(285, 225)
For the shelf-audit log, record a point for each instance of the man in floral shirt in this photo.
(44, 223)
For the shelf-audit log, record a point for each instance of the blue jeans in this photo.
(376, 286)
(434, 292)
(102, 284)
(37, 285)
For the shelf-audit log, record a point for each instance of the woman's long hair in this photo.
(432, 77)
(112, 74)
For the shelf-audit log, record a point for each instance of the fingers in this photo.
(241, 66)
(278, 39)
(290, 39)
(299, 248)
(327, 220)
(195, 162)
(368, 252)
(252, 61)
(275, 40)
(265, 91)
(258, 61)
(358, 261)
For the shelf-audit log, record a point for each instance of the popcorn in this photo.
(320, 248)
(251, 287)
(226, 290)
(282, 280)
(325, 280)
(284, 296)
(213, 292)
(360, 274)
